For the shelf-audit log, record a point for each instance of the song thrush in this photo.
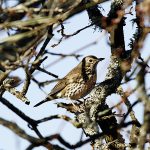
(77, 83)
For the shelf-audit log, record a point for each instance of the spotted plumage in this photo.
(77, 83)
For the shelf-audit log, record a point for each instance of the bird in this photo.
(77, 83)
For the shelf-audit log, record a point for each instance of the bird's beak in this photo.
(100, 59)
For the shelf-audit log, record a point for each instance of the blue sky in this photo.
(101, 49)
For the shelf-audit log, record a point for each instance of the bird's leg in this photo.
(75, 106)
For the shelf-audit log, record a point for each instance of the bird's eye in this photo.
(90, 60)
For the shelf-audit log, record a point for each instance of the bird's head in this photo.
(89, 64)
(91, 61)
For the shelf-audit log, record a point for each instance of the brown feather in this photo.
(73, 75)
(58, 87)
(77, 83)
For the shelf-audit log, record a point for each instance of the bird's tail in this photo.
(43, 101)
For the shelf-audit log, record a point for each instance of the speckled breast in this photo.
(79, 90)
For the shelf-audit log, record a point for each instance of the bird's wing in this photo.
(59, 86)
(72, 78)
